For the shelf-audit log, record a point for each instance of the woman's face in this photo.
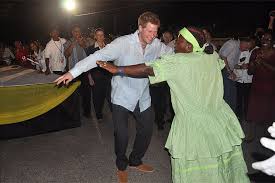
(182, 46)
(266, 40)
(99, 36)
(167, 37)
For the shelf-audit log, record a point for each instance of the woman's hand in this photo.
(108, 66)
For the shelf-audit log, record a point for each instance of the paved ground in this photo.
(79, 155)
(85, 155)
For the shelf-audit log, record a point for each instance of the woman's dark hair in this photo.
(198, 34)
(99, 30)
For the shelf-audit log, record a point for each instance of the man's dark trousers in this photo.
(144, 129)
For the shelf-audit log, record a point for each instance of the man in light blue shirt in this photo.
(129, 94)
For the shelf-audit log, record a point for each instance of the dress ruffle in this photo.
(205, 133)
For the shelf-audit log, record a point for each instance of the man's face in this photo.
(245, 46)
(55, 34)
(76, 32)
(148, 33)
(99, 36)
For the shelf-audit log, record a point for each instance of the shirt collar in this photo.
(136, 36)
(239, 43)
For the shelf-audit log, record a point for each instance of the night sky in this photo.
(225, 18)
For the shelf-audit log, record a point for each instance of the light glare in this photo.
(69, 5)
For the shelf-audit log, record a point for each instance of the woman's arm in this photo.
(139, 70)
(270, 67)
(270, 23)
(253, 62)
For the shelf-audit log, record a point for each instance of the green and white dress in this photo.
(205, 137)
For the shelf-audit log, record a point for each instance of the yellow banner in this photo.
(20, 103)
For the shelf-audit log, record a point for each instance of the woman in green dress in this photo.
(205, 137)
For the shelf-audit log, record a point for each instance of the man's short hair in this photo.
(147, 17)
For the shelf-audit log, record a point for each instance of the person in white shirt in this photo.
(230, 53)
(243, 81)
(54, 54)
(129, 94)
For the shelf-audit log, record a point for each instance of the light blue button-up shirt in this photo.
(126, 50)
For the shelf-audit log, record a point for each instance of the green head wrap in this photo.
(191, 39)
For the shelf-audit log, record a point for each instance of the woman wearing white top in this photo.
(37, 55)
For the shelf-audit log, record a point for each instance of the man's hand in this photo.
(232, 76)
(108, 66)
(65, 79)
(81, 41)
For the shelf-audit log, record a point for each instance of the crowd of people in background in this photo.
(248, 76)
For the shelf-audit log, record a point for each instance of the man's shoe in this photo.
(143, 168)
(122, 176)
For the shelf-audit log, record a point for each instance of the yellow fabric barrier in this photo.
(20, 103)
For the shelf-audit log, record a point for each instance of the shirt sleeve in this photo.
(63, 41)
(67, 44)
(164, 69)
(226, 50)
(108, 53)
(166, 49)
(220, 61)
